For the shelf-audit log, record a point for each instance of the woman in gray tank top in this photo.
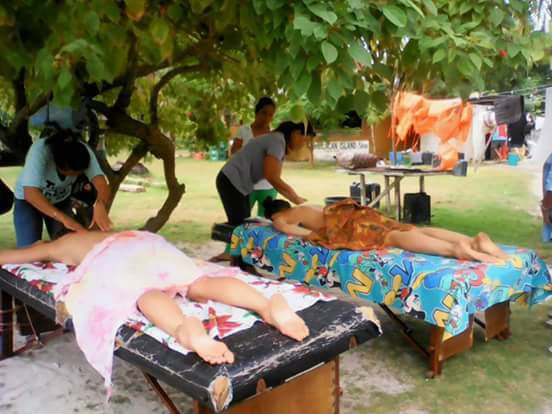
(261, 158)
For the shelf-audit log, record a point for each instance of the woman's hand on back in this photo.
(299, 200)
(100, 217)
(71, 224)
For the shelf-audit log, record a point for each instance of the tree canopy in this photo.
(141, 67)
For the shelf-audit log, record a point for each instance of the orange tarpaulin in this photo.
(446, 118)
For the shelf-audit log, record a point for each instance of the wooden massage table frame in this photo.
(304, 379)
(496, 325)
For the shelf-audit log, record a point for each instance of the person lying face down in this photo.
(347, 225)
(118, 271)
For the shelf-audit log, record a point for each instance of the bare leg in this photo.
(447, 235)
(418, 242)
(163, 312)
(483, 243)
(231, 291)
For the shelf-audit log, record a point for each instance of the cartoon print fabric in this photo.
(441, 291)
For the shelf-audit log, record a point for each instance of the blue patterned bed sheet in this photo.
(441, 291)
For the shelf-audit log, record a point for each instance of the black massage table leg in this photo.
(237, 261)
(406, 331)
(6, 325)
(161, 393)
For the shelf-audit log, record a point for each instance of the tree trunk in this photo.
(153, 141)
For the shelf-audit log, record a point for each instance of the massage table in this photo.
(444, 292)
(271, 373)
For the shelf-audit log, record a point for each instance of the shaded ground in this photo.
(384, 376)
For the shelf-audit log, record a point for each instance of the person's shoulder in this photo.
(39, 148)
(273, 136)
(244, 129)
(39, 143)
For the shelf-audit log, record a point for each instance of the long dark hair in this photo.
(287, 127)
(70, 154)
(272, 206)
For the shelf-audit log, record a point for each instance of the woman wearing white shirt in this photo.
(264, 112)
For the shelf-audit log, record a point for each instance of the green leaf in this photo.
(135, 9)
(302, 85)
(430, 7)
(6, 19)
(199, 6)
(175, 12)
(296, 67)
(303, 24)
(439, 55)
(315, 89)
(64, 78)
(476, 60)
(513, 50)
(320, 32)
(112, 11)
(297, 113)
(465, 7)
(323, 12)
(274, 4)
(412, 5)
(496, 16)
(361, 101)
(537, 54)
(451, 54)
(395, 15)
(360, 54)
(465, 67)
(313, 61)
(45, 64)
(334, 90)
(159, 30)
(97, 69)
(329, 52)
(92, 23)
(76, 47)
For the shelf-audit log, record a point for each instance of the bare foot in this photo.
(464, 251)
(283, 318)
(211, 351)
(484, 244)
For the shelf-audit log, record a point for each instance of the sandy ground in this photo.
(57, 378)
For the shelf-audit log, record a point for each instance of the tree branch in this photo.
(23, 114)
(138, 152)
(165, 79)
(19, 90)
(125, 95)
(164, 148)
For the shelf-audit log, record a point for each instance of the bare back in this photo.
(300, 220)
(72, 248)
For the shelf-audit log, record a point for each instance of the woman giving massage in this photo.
(346, 225)
(117, 271)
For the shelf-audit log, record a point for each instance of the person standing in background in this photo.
(264, 113)
(546, 208)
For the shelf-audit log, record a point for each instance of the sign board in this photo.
(327, 151)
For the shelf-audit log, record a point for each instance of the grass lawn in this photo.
(387, 376)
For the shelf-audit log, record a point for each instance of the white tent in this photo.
(544, 145)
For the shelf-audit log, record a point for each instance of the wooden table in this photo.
(397, 174)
